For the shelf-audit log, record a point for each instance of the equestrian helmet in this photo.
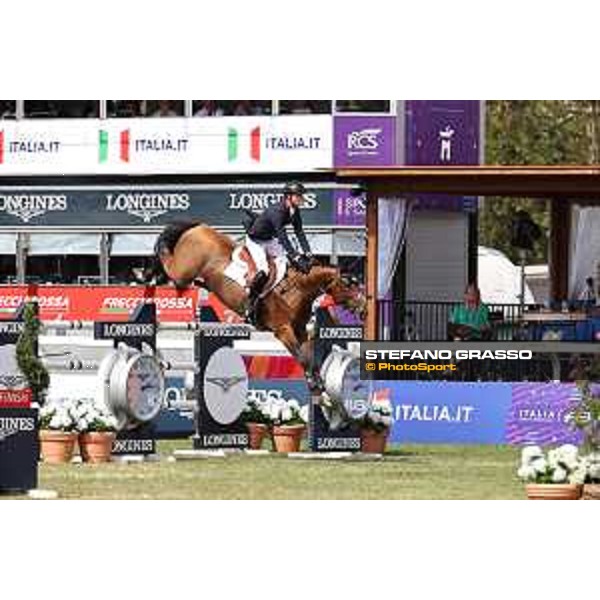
(294, 188)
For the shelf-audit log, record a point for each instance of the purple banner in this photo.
(364, 141)
(540, 414)
(349, 210)
(442, 133)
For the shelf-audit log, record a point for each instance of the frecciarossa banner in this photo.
(99, 303)
(169, 145)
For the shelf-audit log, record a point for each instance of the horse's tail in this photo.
(170, 235)
(165, 243)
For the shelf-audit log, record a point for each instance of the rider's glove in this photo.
(303, 263)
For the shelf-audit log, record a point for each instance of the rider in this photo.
(267, 237)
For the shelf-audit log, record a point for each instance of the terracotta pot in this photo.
(287, 438)
(57, 446)
(96, 446)
(591, 491)
(257, 432)
(373, 442)
(553, 491)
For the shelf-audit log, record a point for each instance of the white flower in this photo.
(55, 422)
(304, 413)
(274, 412)
(286, 415)
(530, 453)
(559, 475)
(526, 473)
(293, 404)
(594, 471)
(539, 465)
(578, 475)
(387, 421)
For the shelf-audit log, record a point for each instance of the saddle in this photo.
(242, 269)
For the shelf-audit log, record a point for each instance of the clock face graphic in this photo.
(225, 385)
(355, 391)
(341, 376)
(144, 387)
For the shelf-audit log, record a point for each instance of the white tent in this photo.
(499, 279)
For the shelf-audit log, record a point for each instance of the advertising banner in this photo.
(448, 413)
(177, 419)
(482, 413)
(143, 206)
(350, 210)
(99, 303)
(442, 133)
(174, 145)
(541, 414)
(19, 448)
(364, 141)
(14, 392)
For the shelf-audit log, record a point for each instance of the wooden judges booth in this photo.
(563, 185)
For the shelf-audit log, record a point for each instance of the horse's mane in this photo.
(170, 235)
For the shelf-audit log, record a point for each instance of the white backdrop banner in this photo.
(585, 248)
(393, 214)
(299, 143)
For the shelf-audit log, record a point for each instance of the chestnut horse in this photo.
(190, 252)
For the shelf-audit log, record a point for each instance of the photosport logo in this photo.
(27, 207)
(364, 142)
(233, 144)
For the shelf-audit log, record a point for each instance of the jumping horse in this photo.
(186, 253)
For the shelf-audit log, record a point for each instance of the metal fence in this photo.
(428, 321)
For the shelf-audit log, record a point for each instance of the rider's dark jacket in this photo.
(271, 224)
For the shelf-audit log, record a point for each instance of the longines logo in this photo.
(12, 382)
(226, 383)
(27, 207)
(10, 426)
(258, 201)
(147, 206)
(14, 327)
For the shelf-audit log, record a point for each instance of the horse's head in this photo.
(347, 292)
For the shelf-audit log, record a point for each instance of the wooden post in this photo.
(372, 223)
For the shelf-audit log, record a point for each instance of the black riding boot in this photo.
(256, 287)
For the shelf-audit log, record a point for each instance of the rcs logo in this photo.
(364, 139)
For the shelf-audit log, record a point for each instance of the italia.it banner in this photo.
(301, 143)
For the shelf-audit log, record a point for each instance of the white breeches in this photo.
(260, 250)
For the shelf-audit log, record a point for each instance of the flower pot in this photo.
(591, 491)
(57, 446)
(287, 438)
(257, 433)
(373, 442)
(96, 446)
(553, 491)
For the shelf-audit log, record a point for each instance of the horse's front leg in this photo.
(300, 351)
(311, 370)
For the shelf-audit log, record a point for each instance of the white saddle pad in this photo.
(237, 270)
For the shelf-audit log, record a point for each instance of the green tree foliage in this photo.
(534, 132)
(34, 370)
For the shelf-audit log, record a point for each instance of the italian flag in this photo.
(124, 145)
